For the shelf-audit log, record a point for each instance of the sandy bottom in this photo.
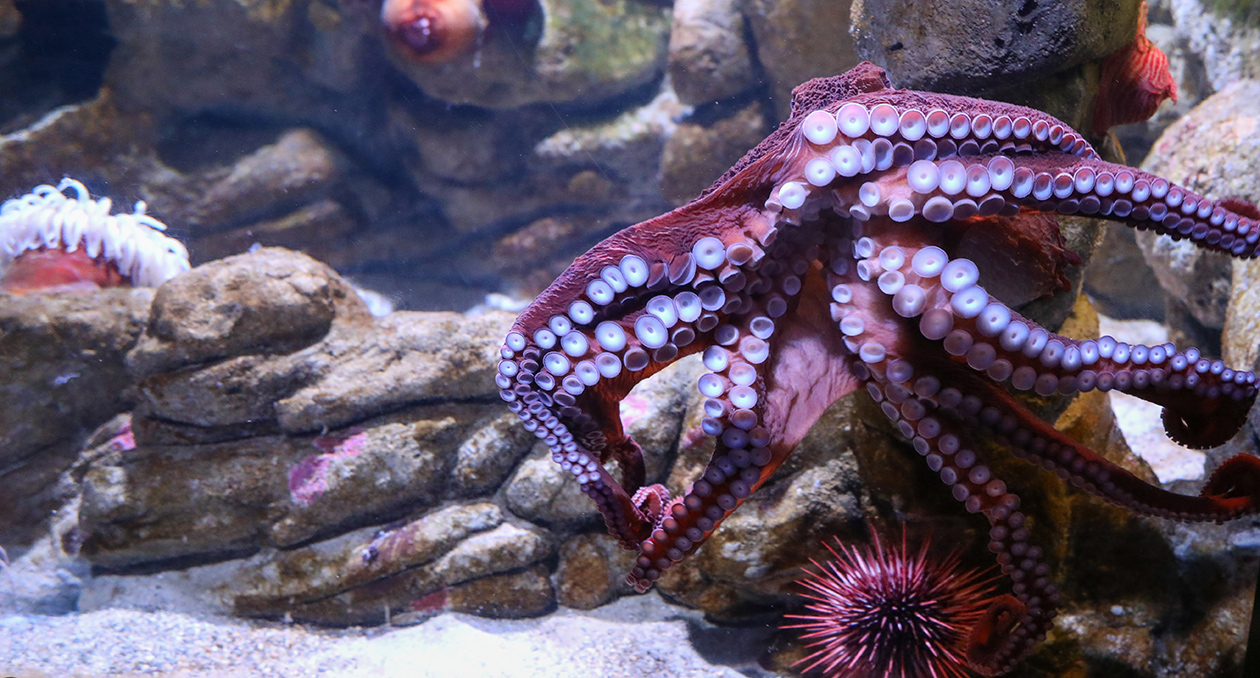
(640, 636)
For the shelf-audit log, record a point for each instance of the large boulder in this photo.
(1214, 151)
(63, 372)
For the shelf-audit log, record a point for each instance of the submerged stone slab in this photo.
(62, 373)
(970, 46)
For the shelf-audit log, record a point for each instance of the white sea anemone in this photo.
(46, 218)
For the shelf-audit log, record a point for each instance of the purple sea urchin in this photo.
(882, 612)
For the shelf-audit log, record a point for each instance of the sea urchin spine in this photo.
(883, 612)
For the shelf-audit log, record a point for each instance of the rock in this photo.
(1119, 282)
(541, 492)
(263, 379)
(487, 455)
(800, 40)
(63, 358)
(1129, 628)
(358, 558)
(165, 502)
(1222, 34)
(299, 167)
(524, 164)
(1214, 151)
(299, 59)
(697, 155)
(708, 58)
(978, 45)
(380, 469)
(592, 571)
(271, 301)
(456, 580)
(505, 596)
(93, 140)
(462, 557)
(403, 358)
(44, 578)
(580, 51)
(543, 189)
(161, 502)
(319, 228)
(1240, 338)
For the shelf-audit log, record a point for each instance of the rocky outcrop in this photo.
(1215, 151)
(63, 372)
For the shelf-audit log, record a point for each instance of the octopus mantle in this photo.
(876, 241)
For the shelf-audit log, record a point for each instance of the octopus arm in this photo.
(846, 250)
(944, 428)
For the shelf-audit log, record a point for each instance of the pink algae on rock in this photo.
(308, 480)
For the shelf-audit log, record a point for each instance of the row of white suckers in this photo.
(963, 298)
(901, 394)
(663, 312)
(666, 325)
(968, 300)
(1121, 194)
(934, 134)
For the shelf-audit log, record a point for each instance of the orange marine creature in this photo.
(437, 31)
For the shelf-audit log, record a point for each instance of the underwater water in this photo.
(323, 322)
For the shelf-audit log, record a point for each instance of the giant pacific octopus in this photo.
(830, 259)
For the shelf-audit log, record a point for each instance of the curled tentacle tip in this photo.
(433, 31)
(990, 634)
(1237, 478)
(1209, 424)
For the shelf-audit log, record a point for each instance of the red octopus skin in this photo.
(827, 261)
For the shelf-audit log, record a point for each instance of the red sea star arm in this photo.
(1133, 83)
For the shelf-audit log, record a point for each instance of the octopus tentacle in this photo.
(956, 320)
(1055, 182)
(846, 250)
(758, 405)
(943, 190)
(937, 429)
(1205, 402)
(618, 323)
(1233, 493)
